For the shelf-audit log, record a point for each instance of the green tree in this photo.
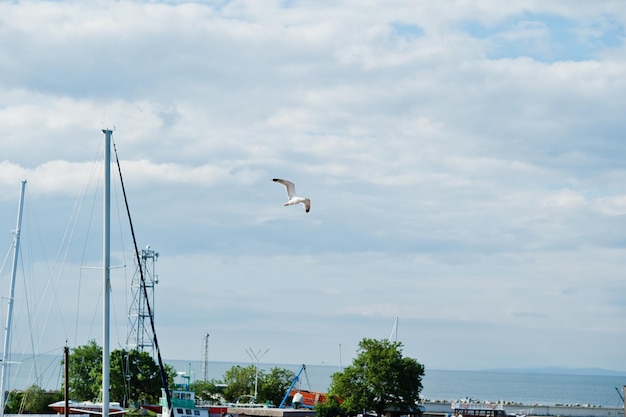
(273, 386)
(379, 380)
(36, 400)
(33, 400)
(13, 403)
(85, 372)
(240, 381)
(329, 408)
(135, 377)
(207, 390)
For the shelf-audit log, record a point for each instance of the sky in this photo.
(464, 161)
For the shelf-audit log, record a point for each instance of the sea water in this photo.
(521, 387)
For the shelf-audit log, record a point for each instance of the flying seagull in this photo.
(293, 198)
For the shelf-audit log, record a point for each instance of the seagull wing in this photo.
(291, 188)
(307, 205)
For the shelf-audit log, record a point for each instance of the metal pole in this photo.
(106, 275)
(256, 357)
(205, 358)
(66, 396)
(7, 329)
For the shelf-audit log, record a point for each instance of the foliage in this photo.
(379, 380)
(134, 375)
(240, 381)
(273, 386)
(329, 408)
(85, 372)
(36, 400)
(33, 400)
(207, 390)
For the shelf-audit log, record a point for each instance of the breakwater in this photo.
(442, 408)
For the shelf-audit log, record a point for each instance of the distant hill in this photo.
(561, 371)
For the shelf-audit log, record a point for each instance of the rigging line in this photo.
(28, 288)
(6, 257)
(32, 216)
(1, 270)
(83, 254)
(62, 254)
(71, 227)
(143, 286)
(28, 253)
(50, 365)
(29, 318)
(32, 230)
(123, 254)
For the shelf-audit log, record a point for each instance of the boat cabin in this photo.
(183, 404)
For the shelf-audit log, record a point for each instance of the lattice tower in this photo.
(139, 330)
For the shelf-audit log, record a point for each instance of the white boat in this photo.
(86, 407)
(183, 404)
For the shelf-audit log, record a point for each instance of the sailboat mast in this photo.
(7, 329)
(394, 332)
(106, 246)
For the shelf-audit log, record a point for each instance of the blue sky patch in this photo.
(407, 31)
(545, 37)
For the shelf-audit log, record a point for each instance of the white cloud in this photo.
(564, 199)
(613, 206)
(441, 169)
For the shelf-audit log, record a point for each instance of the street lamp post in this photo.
(256, 357)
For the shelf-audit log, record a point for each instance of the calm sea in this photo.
(526, 388)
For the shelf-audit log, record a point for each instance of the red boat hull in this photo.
(310, 398)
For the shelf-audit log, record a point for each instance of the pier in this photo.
(270, 412)
(443, 409)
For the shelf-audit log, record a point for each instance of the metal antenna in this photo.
(139, 333)
(256, 357)
(205, 358)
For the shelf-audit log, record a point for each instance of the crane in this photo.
(293, 384)
(619, 393)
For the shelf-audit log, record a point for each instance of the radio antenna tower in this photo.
(205, 358)
(139, 333)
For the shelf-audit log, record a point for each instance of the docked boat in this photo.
(467, 408)
(298, 398)
(306, 399)
(217, 410)
(183, 404)
(86, 407)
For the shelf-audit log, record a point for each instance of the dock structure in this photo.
(443, 409)
(270, 412)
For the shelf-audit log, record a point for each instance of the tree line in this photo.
(379, 380)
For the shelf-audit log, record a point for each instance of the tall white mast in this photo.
(106, 249)
(7, 329)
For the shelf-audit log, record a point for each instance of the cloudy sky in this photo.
(465, 162)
